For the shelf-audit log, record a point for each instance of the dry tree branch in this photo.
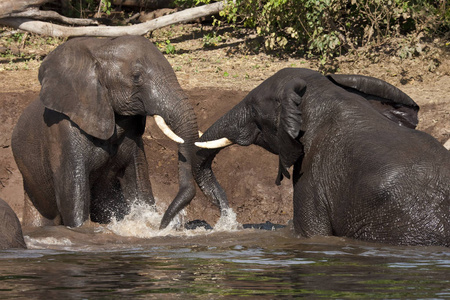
(47, 15)
(8, 7)
(45, 28)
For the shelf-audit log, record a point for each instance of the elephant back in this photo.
(10, 229)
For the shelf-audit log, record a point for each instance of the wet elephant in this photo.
(79, 145)
(360, 169)
(10, 230)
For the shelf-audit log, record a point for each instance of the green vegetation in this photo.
(21, 50)
(84, 8)
(170, 48)
(106, 6)
(211, 39)
(322, 29)
(330, 27)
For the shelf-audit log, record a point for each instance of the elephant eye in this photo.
(137, 78)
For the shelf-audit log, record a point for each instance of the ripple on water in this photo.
(133, 258)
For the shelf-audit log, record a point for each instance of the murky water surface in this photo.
(133, 259)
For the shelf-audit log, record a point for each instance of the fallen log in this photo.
(49, 29)
(48, 15)
(8, 7)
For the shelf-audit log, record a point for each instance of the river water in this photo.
(132, 259)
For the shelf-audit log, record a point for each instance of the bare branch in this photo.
(133, 17)
(47, 15)
(49, 29)
(8, 7)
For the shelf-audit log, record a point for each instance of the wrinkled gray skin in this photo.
(79, 145)
(360, 169)
(10, 230)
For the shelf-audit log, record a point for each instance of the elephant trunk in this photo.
(232, 127)
(207, 181)
(183, 122)
(236, 126)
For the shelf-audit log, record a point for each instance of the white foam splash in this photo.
(143, 222)
(227, 221)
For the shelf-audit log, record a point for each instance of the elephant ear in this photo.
(384, 97)
(290, 126)
(70, 85)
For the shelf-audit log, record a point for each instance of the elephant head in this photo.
(95, 81)
(272, 116)
(126, 75)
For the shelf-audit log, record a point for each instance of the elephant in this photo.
(11, 235)
(79, 145)
(360, 168)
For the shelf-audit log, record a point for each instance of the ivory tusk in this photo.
(447, 144)
(214, 144)
(200, 134)
(166, 130)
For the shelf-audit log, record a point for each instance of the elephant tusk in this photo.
(447, 144)
(200, 134)
(214, 144)
(166, 130)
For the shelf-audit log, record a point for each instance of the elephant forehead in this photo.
(138, 61)
(134, 49)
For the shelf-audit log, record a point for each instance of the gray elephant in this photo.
(360, 169)
(10, 230)
(79, 145)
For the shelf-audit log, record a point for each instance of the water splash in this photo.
(227, 221)
(142, 221)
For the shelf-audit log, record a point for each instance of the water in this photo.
(132, 259)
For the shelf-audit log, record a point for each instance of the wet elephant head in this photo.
(91, 80)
